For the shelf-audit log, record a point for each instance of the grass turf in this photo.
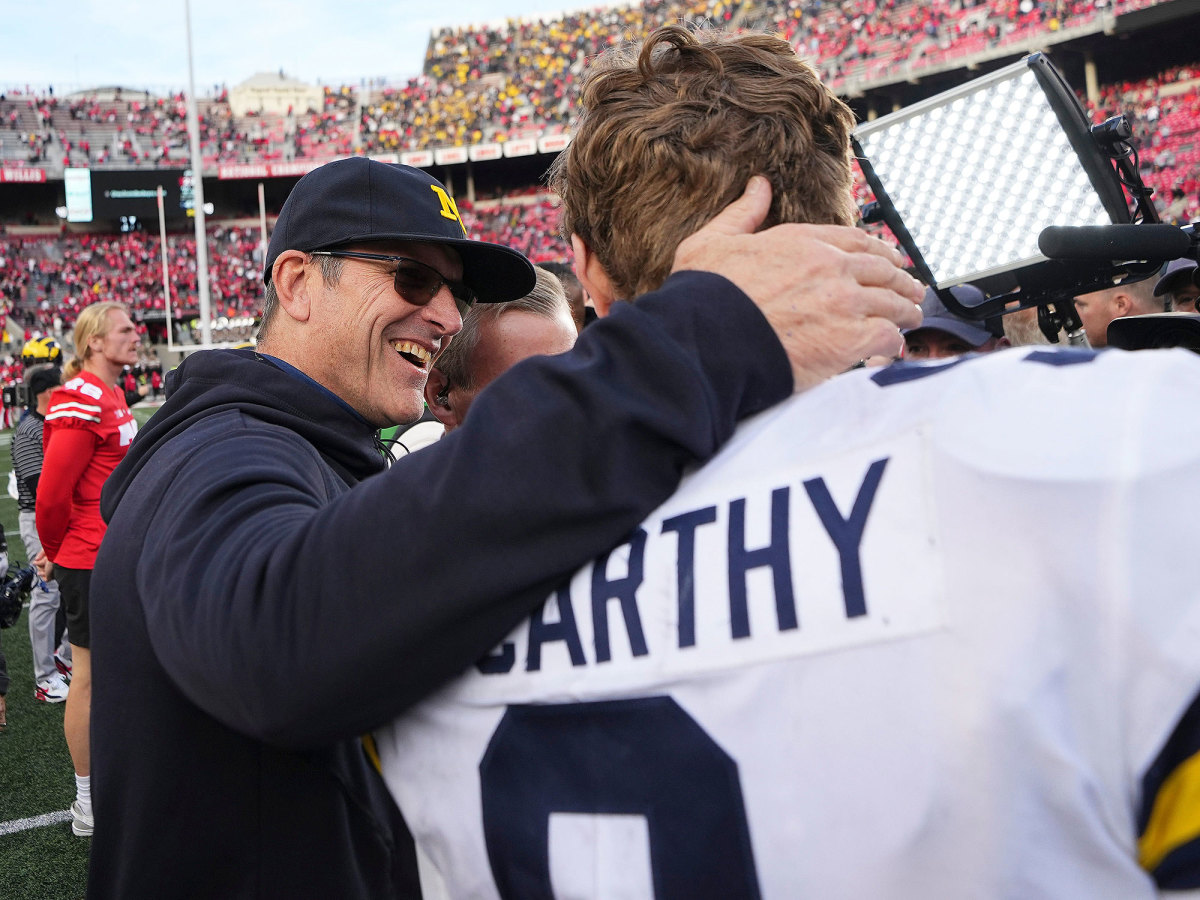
(36, 777)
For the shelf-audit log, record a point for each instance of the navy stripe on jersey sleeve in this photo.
(1169, 818)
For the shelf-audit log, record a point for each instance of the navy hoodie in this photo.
(266, 592)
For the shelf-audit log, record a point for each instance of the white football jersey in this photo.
(930, 631)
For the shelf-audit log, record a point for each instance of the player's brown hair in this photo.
(672, 129)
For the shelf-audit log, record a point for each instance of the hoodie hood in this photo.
(212, 382)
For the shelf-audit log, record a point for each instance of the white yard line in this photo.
(54, 818)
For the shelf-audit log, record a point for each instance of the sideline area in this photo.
(40, 859)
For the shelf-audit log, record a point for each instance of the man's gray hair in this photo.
(547, 299)
(331, 272)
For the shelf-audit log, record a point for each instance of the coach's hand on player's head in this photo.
(834, 294)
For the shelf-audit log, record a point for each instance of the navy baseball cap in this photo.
(357, 200)
(1178, 274)
(938, 318)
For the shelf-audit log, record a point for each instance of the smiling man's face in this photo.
(379, 345)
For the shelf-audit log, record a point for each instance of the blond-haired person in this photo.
(88, 429)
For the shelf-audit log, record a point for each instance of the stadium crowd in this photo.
(489, 83)
(46, 281)
(499, 81)
(875, 39)
(114, 128)
(43, 277)
(530, 226)
(1165, 114)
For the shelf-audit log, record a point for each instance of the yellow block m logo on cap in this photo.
(449, 209)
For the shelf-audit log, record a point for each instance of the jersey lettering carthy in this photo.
(723, 579)
(914, 633)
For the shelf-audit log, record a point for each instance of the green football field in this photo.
(40, 859)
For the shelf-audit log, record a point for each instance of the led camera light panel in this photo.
(976, 173)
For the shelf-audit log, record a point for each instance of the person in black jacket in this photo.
(267, 591)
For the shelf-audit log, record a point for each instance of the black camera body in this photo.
(14, 589)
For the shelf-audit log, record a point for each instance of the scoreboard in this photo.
(128, 196)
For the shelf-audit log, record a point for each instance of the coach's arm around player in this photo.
(267, 592)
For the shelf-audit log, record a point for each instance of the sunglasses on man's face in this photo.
(415, 281)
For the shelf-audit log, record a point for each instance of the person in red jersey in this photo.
(88, 430)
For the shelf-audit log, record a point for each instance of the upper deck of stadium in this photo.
(486, 92)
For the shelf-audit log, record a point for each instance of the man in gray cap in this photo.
(267, 592)
(944, 334)
(1179, 284)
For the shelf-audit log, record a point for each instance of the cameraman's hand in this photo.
(833, 294)
(45, 568)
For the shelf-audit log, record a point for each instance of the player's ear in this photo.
(592, 276)
(291, 285)
(437, 395)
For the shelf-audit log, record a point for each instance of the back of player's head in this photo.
(671, 131)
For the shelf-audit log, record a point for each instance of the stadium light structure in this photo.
(1003, 183)
(967, 180)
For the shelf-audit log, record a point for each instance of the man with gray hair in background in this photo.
(494, 338)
